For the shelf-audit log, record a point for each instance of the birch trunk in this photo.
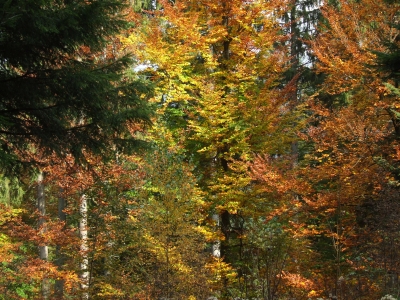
(43, 249)
(84, 265)
(216, 247)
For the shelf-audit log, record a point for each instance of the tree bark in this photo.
(43, 249)
(216, 247)
(83, 232)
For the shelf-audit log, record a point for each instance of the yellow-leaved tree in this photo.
(218, 70)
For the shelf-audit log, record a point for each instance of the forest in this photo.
(200, 150)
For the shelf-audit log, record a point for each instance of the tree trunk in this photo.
(216, 247)
(43, 249)
(84, 265)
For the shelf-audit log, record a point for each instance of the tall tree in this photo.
(218, 72)
(64, 92)
(60, 90)
(352, 163)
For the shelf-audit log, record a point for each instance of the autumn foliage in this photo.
(270, 170)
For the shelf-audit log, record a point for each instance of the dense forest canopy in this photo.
(200, 149)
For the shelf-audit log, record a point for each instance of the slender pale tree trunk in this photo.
(43, 249)
(84, 265)
(216, 247)
(60, 261)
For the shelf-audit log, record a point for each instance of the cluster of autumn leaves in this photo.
(266, 175)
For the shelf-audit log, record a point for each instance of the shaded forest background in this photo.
(197, 149)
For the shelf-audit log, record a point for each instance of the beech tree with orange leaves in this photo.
(347, 186)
